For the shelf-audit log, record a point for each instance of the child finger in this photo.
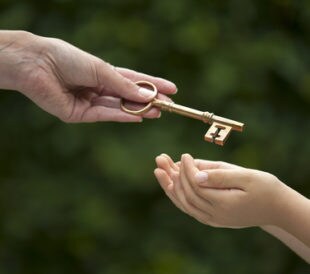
(168, 186)
(170, 161)
(225, 179)
(163, 163)
(190, 194)
(200, 215)
(181, 196)
(206, 164)
(188, 173)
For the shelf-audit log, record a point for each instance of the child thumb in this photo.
(220, 178)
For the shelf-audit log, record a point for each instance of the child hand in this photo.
(221, 194)
(225, 195)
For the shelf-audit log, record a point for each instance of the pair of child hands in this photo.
(220, 194)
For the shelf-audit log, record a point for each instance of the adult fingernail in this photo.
(176, 89)
(146, 92)
(173, 87)
(201, 176)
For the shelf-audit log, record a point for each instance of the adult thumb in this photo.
(123, 87)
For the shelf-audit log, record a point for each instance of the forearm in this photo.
(292, 242)
(15, 47)
(293, 214)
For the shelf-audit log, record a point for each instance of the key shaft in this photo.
(204, 116)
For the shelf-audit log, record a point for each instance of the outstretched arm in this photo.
(70, 83)
(288, 239)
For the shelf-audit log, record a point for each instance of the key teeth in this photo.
(218, 133)
(209, 138)
(220, 142)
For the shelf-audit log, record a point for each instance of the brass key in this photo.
(220, 127)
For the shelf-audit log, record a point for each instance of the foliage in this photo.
(82, 198)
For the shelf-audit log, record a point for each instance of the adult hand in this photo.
(69, 83)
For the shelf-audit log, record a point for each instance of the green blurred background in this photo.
(82, 198)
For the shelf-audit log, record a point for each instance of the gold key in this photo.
(220, 127)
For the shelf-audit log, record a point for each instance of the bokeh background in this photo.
(82, 198)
